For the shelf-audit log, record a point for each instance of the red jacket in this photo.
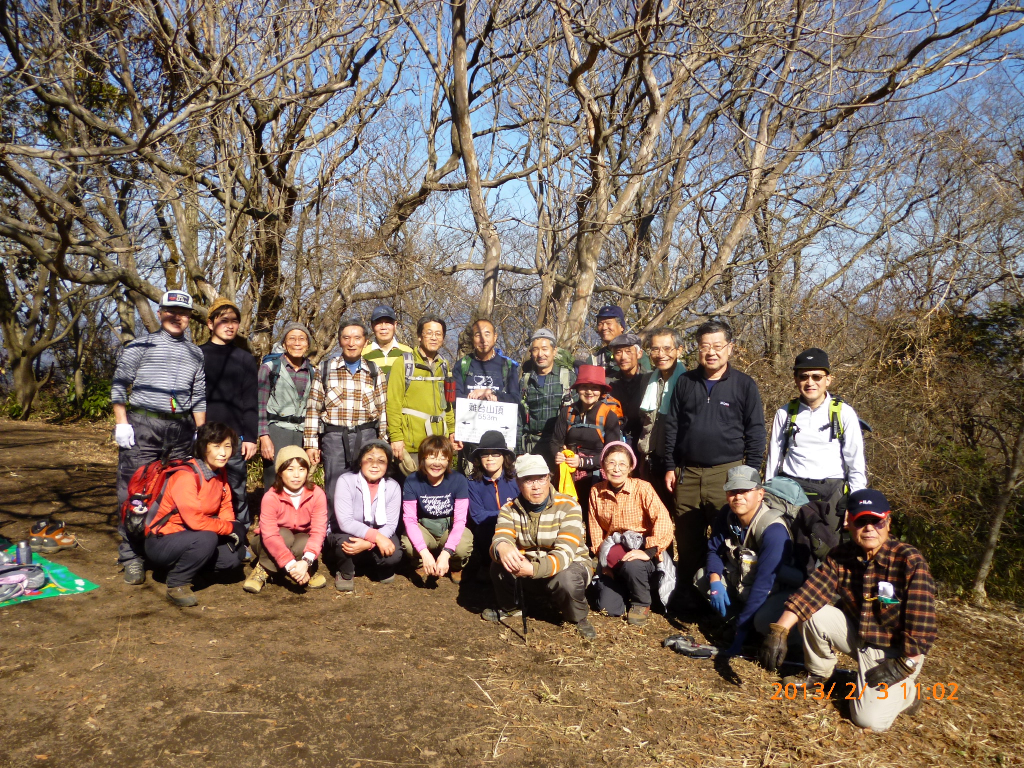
(277, 512)
(197, 504)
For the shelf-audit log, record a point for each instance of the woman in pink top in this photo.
(292, 526)
(435, 505)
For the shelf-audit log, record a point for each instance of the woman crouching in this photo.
(292, 527)
(194, 529)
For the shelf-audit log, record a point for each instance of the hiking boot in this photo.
(388, 579)
(456, 576)
(638, 615)
(317, 581)
(135, 573)
(499, 614)
(803, 680)
(256, 580)
(182, 596)
(342, 584)
(586, 630)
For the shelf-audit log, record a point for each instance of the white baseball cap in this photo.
(176, 299)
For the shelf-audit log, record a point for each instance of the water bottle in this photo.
(24, 554)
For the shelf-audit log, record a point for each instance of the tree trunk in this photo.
(1007, 487)
(26, 386)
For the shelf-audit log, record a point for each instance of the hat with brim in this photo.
(490, 441)
(591, 376)
(612, 310)
(742, 478)
(286, 454)
(866, 503)
(812, 359)
(383, 312)
(625, 340)
(531, 465)
(176, 300)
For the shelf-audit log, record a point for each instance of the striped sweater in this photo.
(552, 538)
(165, 373)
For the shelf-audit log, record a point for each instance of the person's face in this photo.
(384, 331)
(217, 454)
(374, 465)
(812, 384)
(352, 339)
(713, 352)
(174, 320)
(224, 327)
(492, 462)
(627, 358)
(745, 503)
(435, 465)
(608, 328)
(588, 395)
(483, 339)
(534, 488)
(543, 353)
(664, 353)
(431, 338)
(871, 534)
(294, 475)
(296, 344)
(616, 466)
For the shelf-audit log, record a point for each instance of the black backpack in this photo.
(814, 535)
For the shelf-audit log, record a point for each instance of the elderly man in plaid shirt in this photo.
(546, 386)
(346, 408)
(885, 617)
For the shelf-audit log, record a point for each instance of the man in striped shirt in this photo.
(159, 417)
(347, 405)
(540, 539)
(385, 349)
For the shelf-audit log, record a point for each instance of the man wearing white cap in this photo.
(167, 403)
(540, 539)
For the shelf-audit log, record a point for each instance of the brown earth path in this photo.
(405, 676)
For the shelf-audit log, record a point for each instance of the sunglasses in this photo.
(864, 522)
(815, 377)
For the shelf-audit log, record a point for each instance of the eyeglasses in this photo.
(815, 377)
(617, 465)
(432, 334)
(864, 522)
(716, 347)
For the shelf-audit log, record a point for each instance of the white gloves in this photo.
(124, 435)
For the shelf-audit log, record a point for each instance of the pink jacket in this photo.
(277, 512)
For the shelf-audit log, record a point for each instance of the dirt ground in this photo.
(397, 675)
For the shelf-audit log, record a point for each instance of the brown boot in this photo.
(182, 596)
(456, 576)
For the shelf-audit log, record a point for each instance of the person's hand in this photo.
(441, 564)
(670, 480)
(457, 445)
(385, 545)
(774, 648)
(398, 449)
(355, 545)
(314, 456)
(635, 554)
(889, 672)
(428, 562)
(573, 461)
(525, 569)
(124, 435)
(512, 560)
(299, 571)
(248, 450)
(236, 538)
(720, 597)
(267, 448)
(559, 458)
(478, 394)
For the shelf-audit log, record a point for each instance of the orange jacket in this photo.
(206, 508)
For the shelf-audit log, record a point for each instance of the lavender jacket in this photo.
(348, 507)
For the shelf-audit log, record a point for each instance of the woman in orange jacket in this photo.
(292, 527)
(195, 529)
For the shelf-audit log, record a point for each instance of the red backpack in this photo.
(146, 492)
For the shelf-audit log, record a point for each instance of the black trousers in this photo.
(370, 561)
(832, 491)
(630, 582)
(483, 535)
(186, 553)
(567, 589)
(237, 471)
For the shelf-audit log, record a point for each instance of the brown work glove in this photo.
(774, 649)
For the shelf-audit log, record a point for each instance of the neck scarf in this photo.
(650, 401)
(374, 513)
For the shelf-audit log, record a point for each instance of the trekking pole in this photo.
(520, 593)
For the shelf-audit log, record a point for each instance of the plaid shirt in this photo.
(300, 377)
(541, 405)
(349, 400)
(634, 507)
(909, 623)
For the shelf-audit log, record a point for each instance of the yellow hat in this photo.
(286, 454)
(220, 303)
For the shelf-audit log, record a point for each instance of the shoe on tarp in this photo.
(49, 536)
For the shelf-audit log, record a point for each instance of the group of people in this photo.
(662, 460)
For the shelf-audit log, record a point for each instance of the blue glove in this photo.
(720, 597)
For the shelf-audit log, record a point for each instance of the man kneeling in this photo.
(540, 536)
(885, 617)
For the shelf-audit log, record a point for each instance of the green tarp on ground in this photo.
(59, 580)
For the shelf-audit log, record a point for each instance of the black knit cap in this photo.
(812, 359)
